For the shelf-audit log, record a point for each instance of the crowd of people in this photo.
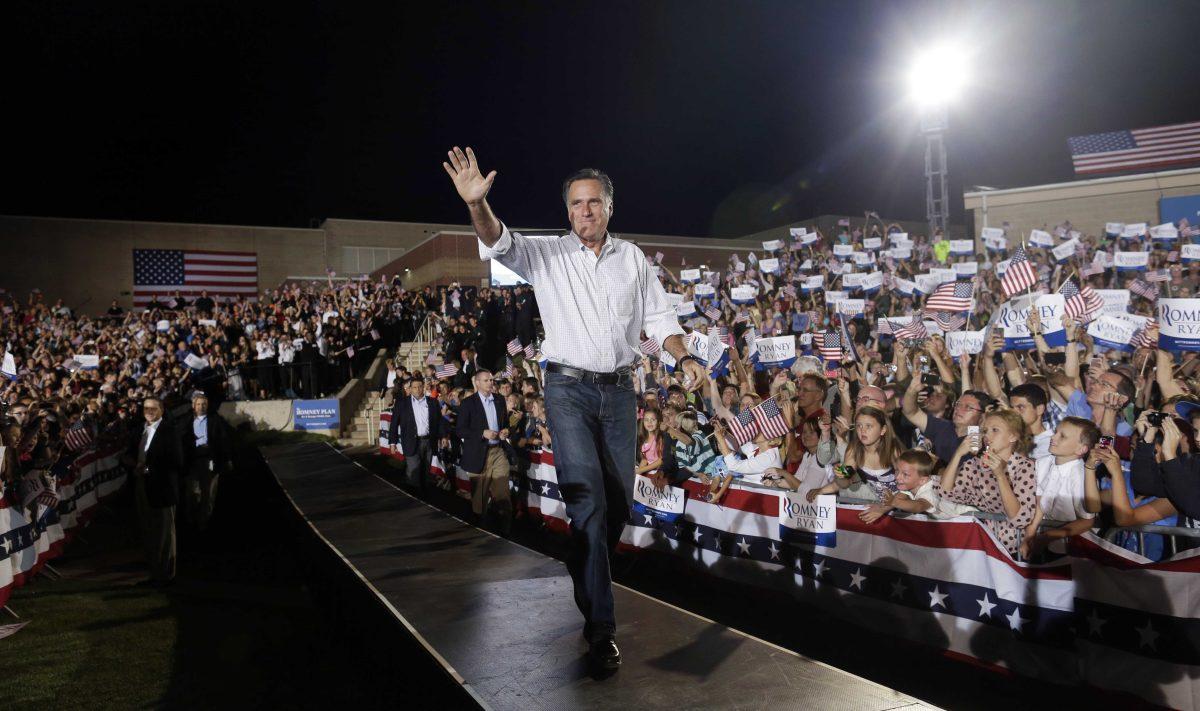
(1048, 441)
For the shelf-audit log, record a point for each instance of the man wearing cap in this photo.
(596, 294)
(207, 452)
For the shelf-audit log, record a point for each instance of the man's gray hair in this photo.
(606, 185)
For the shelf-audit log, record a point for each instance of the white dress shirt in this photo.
(593, 308)
(752, 468)
(489, 409)
(1060, 489)
(420, 415)
(147, 438)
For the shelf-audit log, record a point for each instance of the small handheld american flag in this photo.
(650, 347)
(514, 346)
(952, 296)
(913, 330)
(77, 437)
(1019, 275)
(448, 370)
(948, 321)
(830, 345)
(1080, 303)
(769, 419)
(713, 314)
(1141, 339)
(530, 352)
(1144, 289)
(743, 427)
(1158, 275)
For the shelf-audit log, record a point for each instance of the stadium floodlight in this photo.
(937, 76)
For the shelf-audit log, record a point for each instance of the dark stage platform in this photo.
(500, 618)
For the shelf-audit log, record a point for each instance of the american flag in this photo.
(913, 330)
(725, 336)
(950, 321)
(829, 345)
(162, 272)
(77, 437)
(1091, 270)
(1155, 275)
(1019, 275)
(508, 368)
(742, 317)
(650, 347)
(1138, 149)
(712, 313)
(1144, 289)
(951, 296)
(514, 346)
(434, 358)
(530, 352)
(449, 370)
(1141, 339)
(1080, 303)
(769, 419)
(789, 291)
(743, 427)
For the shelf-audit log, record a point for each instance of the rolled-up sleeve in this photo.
(659, 319)
(512, 250)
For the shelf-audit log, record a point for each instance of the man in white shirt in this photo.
(596, 294)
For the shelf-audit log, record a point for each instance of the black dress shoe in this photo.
(604, 654)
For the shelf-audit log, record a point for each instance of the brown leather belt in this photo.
(588, 376)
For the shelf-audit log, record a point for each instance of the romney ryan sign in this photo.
(316, 414)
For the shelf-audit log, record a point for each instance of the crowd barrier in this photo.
(27, 545)
(1101, 615)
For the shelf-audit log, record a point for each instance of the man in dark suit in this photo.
(481, 427)
(156, 458)
(207, 451)
(417, 419)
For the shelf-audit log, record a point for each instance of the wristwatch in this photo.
(686, 357)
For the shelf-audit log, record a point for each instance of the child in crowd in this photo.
(653, 449)
(914, 488)
(870, 457)
(1064, 491)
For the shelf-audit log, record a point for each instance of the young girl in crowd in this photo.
(997, 476)
(652, 448)
(870, 457)
(810, 472)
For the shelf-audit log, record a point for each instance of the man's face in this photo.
(152, 411)
(871, 397)
(588, 210)
(484, 383)
(506, 389)
(200, 406)
(1065, 441)
(417, 388)
(967, 411)
(677, 399)
(809, 394)
(1028, 412)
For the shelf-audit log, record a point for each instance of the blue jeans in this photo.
(593, 428)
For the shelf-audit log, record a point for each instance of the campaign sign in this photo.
(843, 250)
(1165, 231)
(904, 286)
(966, 268)
(667, 360)
(689, 276)
(813, 283)
(1116, 301)
(797, 231)
(1190, 253)
(898, 237)
(962, 246)
(772, 245)
(991, 233)
(777, 352)
(852, 307)
(1041, 238)
(803, 522)
(970, 342)
(872, 243)
(926, 283)
(651, 503)
(316, 414)
(1113, 228)
(1112, 332)
(1131, 261)
(943, 275)
(704, 291)
(853, 281)
(1065, 251)
(743, 294)
(1179, 324)
(698, 346)
(1012, 316)
(809, 238)
(89, 361)
(163, 325)
(674, 299)
(1102, 259)
(872, 282)
(901, 252)
(832, 297)
(1134, 229)
(769, 266)
(685, 308)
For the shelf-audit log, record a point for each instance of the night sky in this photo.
(712, 118)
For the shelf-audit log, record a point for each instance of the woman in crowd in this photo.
(995, 474)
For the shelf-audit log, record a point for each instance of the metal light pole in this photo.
(937, 187)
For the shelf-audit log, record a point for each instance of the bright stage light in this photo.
(937, 76)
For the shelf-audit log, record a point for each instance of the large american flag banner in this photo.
(162, 272)
(1139, 149)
